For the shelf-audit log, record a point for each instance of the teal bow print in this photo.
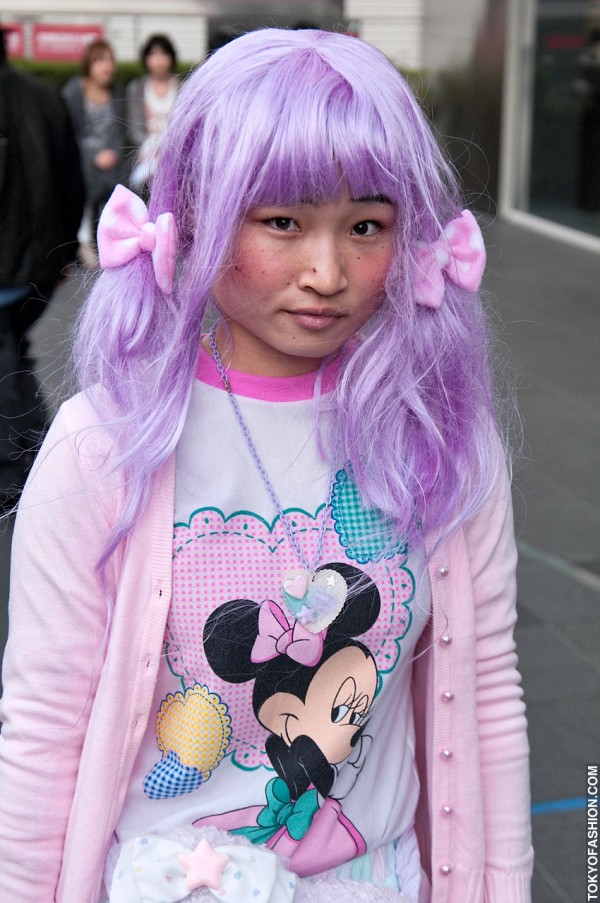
(281, 812)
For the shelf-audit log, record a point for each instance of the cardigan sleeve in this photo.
(504, 750)
(57, 626)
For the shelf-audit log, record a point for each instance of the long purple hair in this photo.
(282, 117)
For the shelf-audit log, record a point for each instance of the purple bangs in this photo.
(312, 147)
(281, 117)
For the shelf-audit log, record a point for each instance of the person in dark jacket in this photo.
(41, 202)
(96, 102)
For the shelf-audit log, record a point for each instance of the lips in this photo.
(316, 312)
(314, 319)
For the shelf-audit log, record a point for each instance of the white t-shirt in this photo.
(302, 743)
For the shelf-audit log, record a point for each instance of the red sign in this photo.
(14, 37)
(63, 42)
(564, 41)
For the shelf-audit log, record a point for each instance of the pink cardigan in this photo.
(75, 708)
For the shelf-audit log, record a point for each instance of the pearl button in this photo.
(443, 571)
(445, 869)
(445, 639)
(446, 754)
(447, 810)
(447, 696)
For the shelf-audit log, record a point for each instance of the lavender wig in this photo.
(282, 117)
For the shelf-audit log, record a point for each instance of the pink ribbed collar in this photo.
(267, 388)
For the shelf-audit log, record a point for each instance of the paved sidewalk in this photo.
(546, 295)
(548, 299)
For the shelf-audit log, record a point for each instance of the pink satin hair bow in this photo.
(125, 230)
(458, 254)
(277, 637)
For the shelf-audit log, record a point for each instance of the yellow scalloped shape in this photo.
(196, 726)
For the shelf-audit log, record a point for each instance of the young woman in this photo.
(263, 589)
(96, 103)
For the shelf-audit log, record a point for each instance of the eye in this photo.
(355, 717)
(283, 223)
(338, 713)
(367, 227)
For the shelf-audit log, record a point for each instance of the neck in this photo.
(96, 93)
(161, 80)
(271, 364)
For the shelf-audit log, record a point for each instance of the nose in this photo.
(324, 270)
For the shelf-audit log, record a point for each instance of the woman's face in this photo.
(102, 70)
(158, 62)
(303, 280)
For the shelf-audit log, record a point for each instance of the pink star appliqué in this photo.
(203, 866)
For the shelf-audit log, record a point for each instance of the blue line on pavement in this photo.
(566, 805)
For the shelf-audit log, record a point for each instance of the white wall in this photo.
(451, 28)
(394, 26)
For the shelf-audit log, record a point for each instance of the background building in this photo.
(513, 86)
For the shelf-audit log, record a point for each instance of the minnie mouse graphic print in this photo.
(296, 740)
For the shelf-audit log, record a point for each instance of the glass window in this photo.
(564, 176)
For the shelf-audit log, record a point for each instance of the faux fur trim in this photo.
(319, 889)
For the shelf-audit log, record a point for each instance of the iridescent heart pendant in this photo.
(315, 600)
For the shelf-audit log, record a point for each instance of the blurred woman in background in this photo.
(97, 106)
(149, 102)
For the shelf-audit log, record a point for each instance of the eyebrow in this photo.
(372, 199)
(308, 202)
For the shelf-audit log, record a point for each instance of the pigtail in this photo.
(136, 364)
(421, 429)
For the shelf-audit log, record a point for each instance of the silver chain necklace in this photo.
(314, 598)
